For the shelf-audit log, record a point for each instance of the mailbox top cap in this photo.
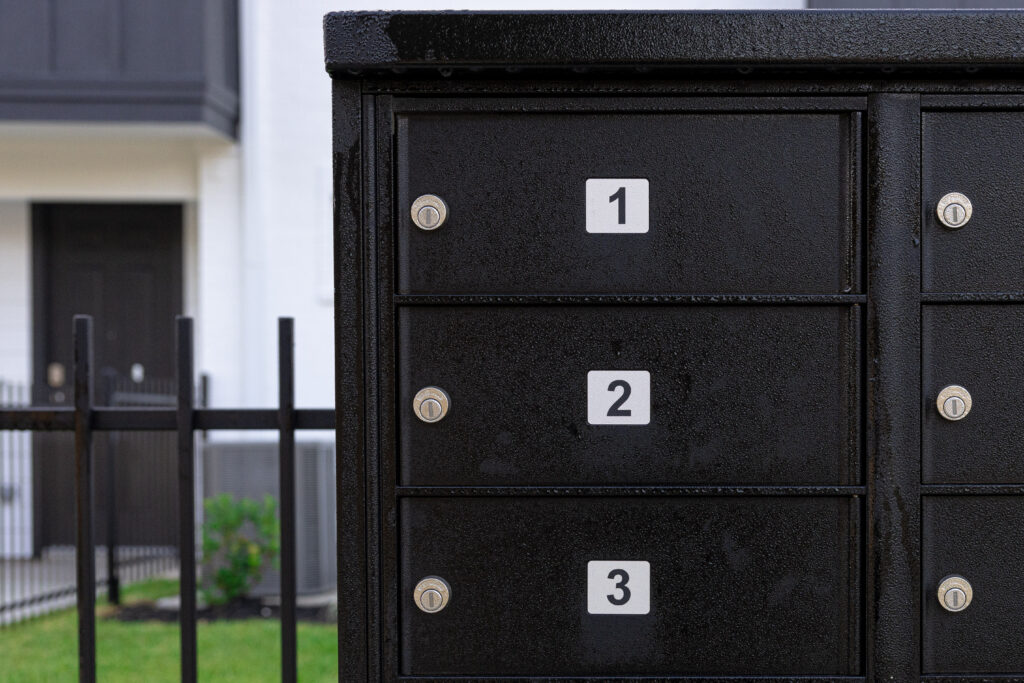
(357, 43)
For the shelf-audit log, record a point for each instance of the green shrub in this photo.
(239, 538)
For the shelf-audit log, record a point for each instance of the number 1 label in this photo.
(617, 205)
(618, 587)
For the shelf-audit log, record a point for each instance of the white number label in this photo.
(617, 205)
(618, 397)
(618, 587)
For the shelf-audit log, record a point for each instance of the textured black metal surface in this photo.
(976, 153)
(354, 647)
(739, 394)
(981, 539)
(979, 347)
(738, 202)
(738, 586)
(893, 362)
(358, 40)
(504, 496)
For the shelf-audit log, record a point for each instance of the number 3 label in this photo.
(618, 397)
(617, 205)
(618, 587)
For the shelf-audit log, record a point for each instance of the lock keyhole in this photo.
(954, 210)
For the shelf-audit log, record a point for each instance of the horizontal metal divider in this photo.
(966, 678)
(630, 104)
(692, 490)
(972, 297)
(163, 419)
(716, 679)
(620, 299)
(972, 489)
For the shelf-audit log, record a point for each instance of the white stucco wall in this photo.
(286, 162)
(15, 314)
(15, 287)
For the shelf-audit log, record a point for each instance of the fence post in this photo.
(286, 489)
(113, 441)
(186, 499)
(85, 547)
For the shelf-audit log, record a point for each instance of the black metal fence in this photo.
(86, 419)
(135, 518)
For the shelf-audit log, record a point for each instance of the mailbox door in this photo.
(756, 586)
(716, 394)
(981, 539)
(714, 202)
(978, 347)
(976, 154)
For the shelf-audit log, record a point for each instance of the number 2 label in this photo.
(618, 587)
(618, 397)
(617, 205)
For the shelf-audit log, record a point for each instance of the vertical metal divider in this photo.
(349, 327)
(378, 315)
(286, 486)
(893, 388)
(85, 548)
(186, 498)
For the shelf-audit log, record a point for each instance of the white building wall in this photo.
(218, 278)
(71, 162)
(15, 292)
(15, 347)
(286, 161)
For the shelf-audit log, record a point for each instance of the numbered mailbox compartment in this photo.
(981, 540)
(578, 395)
(977, 348)
(632, 586)
(977, 155)
(584, 202)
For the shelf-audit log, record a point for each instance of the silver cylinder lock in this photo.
(429, 212)
(955, 593)
(954, 402)
(432, 594)
(954, 210)
(431, 404)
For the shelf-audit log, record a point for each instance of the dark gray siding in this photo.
(120, 60)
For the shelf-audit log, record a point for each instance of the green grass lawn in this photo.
(46, 649)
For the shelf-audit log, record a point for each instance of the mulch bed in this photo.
(247, 608)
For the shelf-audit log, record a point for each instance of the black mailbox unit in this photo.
(680, 345)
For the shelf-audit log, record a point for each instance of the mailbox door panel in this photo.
(981, 539)
(976, 154)
(979, 348)
(765, 585)
(734, 394)
(741, 203)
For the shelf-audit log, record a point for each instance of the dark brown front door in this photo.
(121, 264)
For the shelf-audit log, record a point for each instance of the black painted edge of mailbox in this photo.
(832, 39)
